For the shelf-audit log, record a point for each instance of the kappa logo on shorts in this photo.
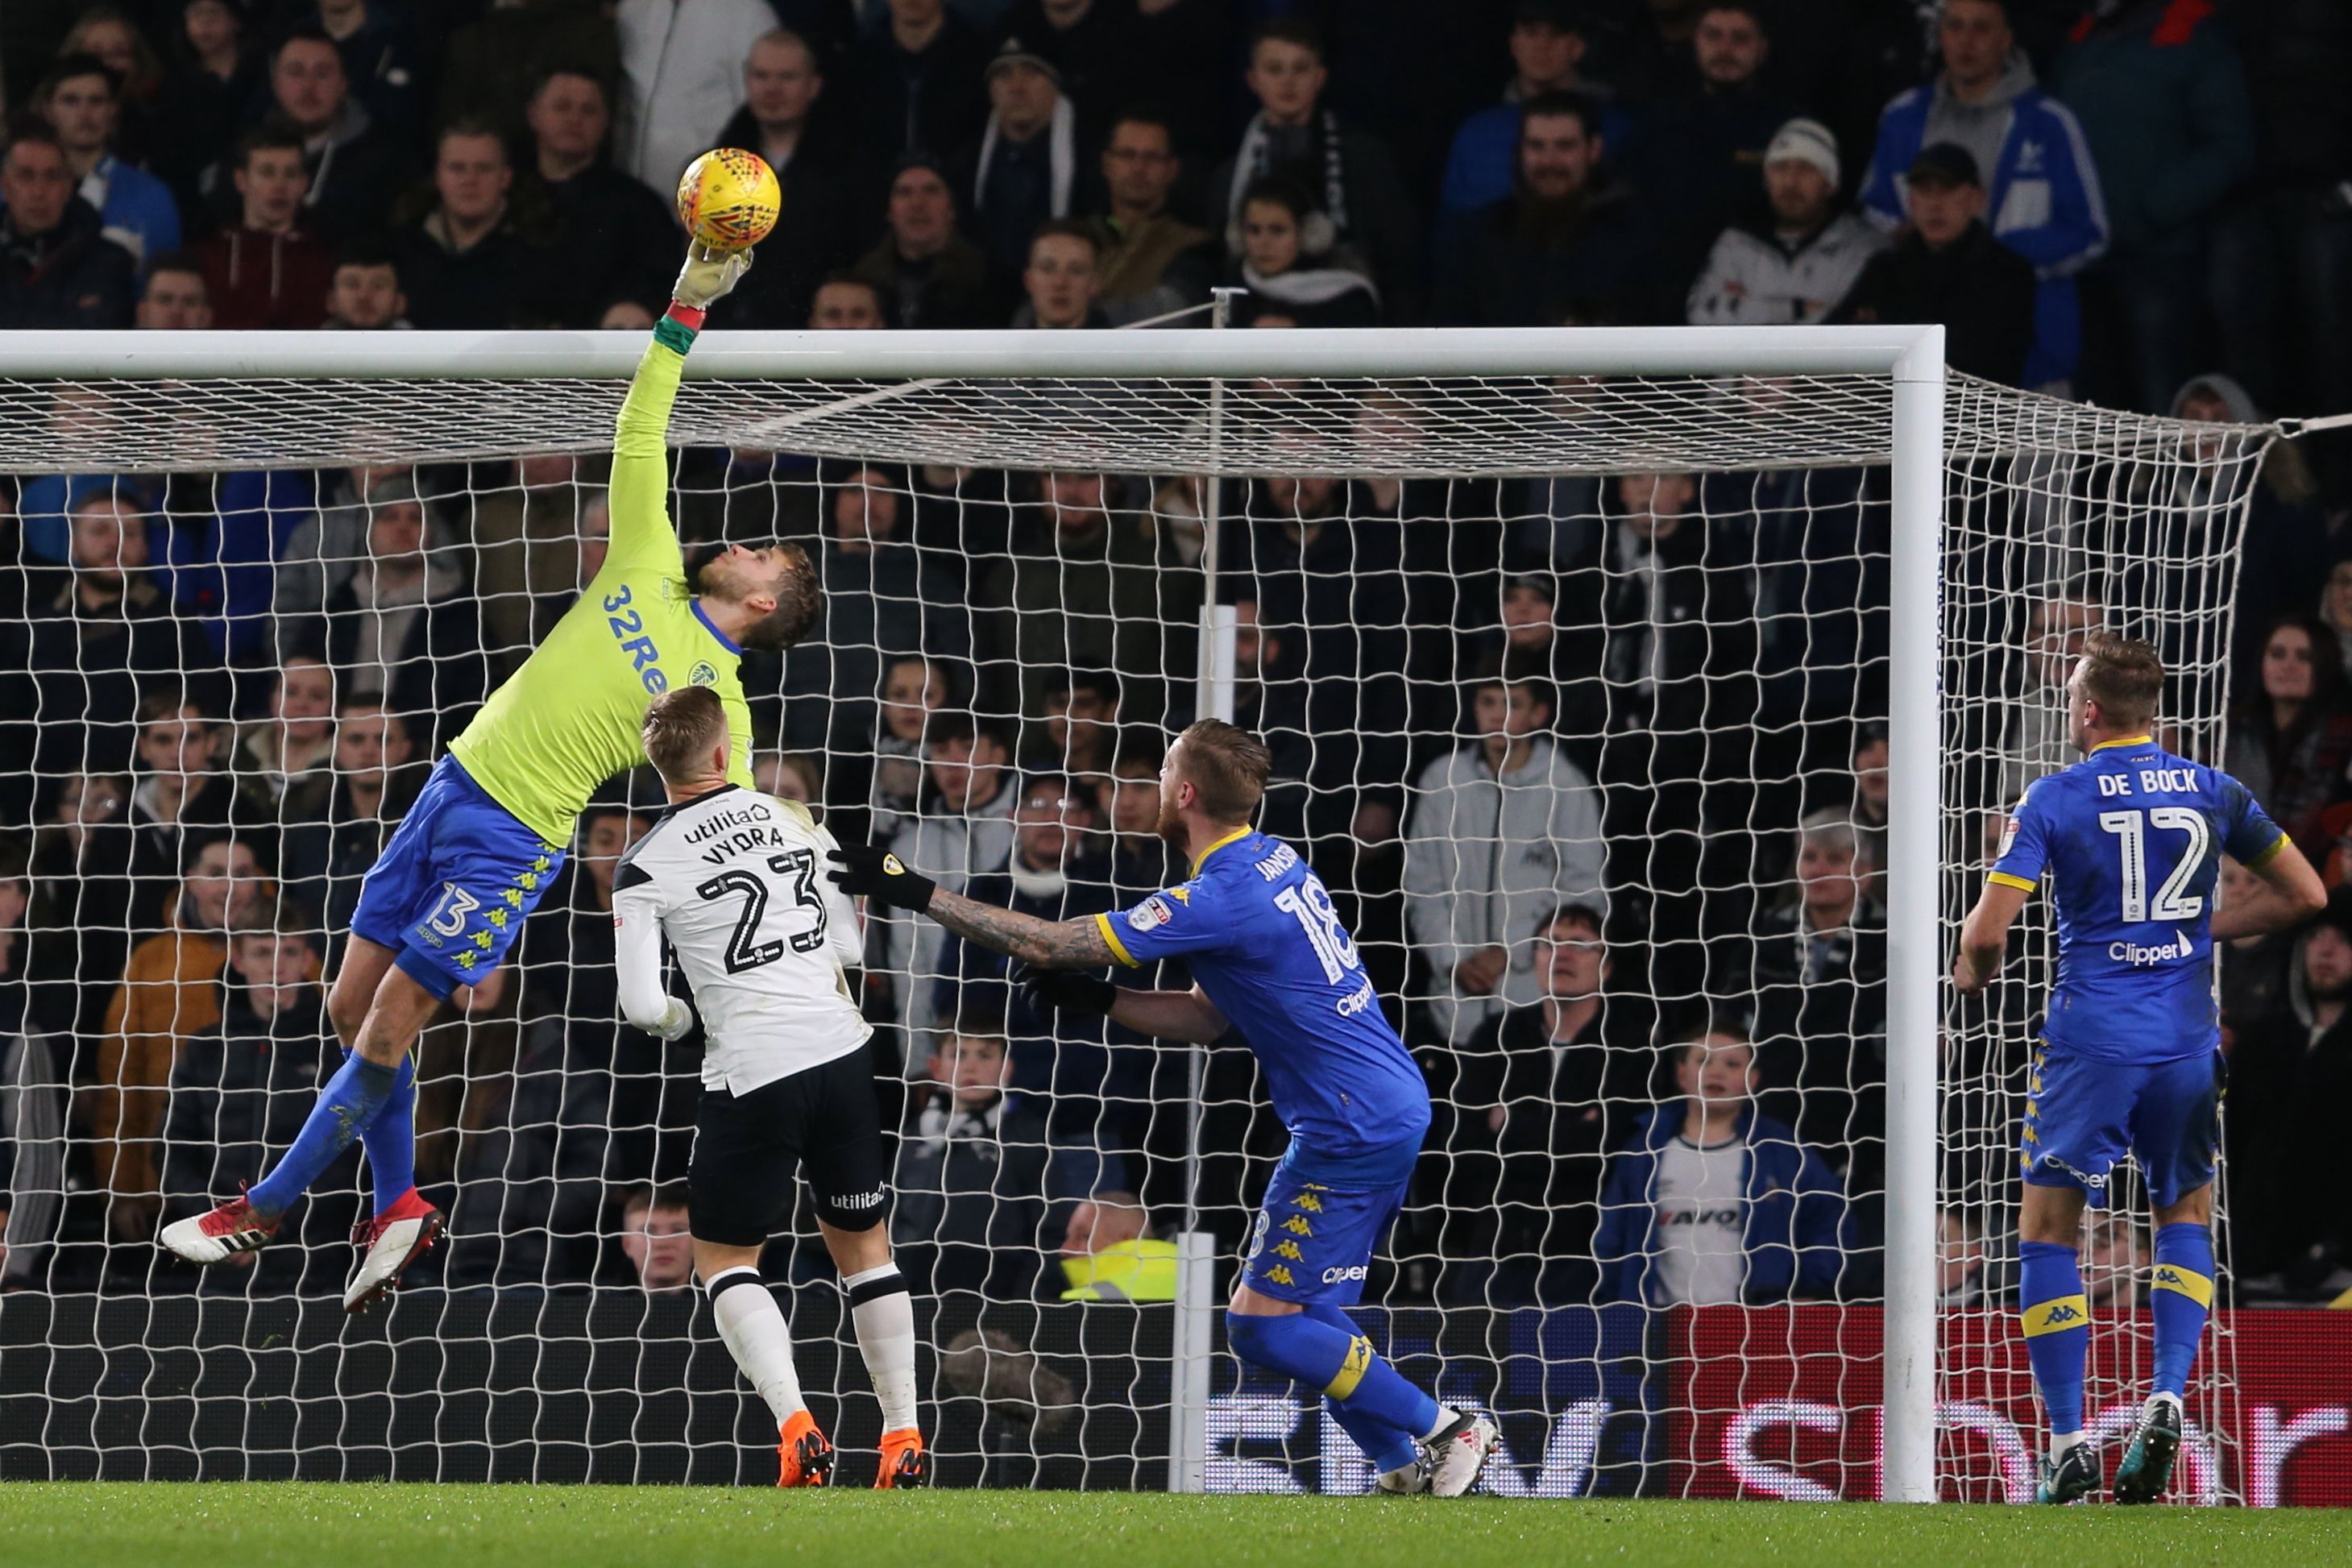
(1150, 914)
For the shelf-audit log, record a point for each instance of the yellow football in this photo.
(728, 198)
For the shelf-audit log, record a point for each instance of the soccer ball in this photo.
(728, 199)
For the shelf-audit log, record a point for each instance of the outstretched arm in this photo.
(1048, 945)
(639, 488)
(1985, 935)
(881, 875)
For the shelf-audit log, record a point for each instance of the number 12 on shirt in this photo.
(2131, 828)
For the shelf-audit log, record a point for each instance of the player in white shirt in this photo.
(732, 877)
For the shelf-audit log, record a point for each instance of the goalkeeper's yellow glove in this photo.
(709, 274)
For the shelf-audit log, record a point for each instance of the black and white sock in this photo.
(754, 1327)
(885, 1316)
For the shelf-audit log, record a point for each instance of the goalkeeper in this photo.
(1270, 955)
(478, 850)
(2131, 839)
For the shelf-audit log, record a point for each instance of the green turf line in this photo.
(166, 1525)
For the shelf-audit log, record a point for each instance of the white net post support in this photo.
(1188, 1427)
(1913, 930)
(1991, 504)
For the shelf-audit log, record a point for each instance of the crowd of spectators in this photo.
(1595, 768)
(2105, 197)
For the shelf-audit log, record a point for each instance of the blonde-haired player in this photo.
(733, 878)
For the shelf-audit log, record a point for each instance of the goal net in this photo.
(1600, 670)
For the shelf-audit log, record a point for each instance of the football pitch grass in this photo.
(360, 1525)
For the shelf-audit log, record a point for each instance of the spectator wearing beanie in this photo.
(935, 275)
(1797, 256)
(1021, 172)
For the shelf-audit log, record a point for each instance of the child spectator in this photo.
(1714, 1205)
(971, 1178)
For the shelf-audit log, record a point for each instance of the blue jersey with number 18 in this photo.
(2132, 838)
(1264, 943)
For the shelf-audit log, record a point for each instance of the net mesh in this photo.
(1681, 585)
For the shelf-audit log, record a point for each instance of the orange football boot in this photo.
(905, 1462)
(803, 1459)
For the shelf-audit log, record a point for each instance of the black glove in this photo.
(1049, 990)
(872, 872)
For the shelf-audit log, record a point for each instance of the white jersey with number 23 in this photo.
(736, 880)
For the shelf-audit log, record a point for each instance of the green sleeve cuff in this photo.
(673, 335)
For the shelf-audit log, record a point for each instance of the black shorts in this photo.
(747, 1148)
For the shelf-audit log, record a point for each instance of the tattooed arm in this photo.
(1048, 945)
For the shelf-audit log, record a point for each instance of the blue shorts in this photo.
(450, 892)
(1315, 1242)
(2081, 1115)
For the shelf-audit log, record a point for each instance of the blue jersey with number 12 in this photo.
(1259, 932)
(2132, 838)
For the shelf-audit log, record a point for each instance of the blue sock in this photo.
(391, 1140)
(1387, 1446)
(1340, 1363)
(2056, 1318)
(349, 1103)
(2179, 1300)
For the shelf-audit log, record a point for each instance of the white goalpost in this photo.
(1334, 532)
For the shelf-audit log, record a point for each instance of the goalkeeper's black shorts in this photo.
(747, 1148)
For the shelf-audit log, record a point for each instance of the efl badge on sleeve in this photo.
(1151, 913)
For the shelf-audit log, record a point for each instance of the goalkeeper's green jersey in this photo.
(570, 717)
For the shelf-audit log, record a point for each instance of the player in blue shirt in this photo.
(2131, 839)
(1268, 956)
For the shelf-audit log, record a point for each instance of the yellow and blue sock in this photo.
(352, 1098)
(2056, 1318)
(391, 1140)
(2179, 1300)
(1340, 1363)
(1387, 1446)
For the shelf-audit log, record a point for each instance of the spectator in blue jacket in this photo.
(222, 567)
(1711, 1203)
(1548, 49)
(81, 100)
(2041, 186)
(2162, 99)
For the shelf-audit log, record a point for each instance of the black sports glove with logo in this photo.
(872, 872)
(1050, 990)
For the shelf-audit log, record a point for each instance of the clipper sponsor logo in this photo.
(1357, 1001)
(1339, 1276)
(2137, 956)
